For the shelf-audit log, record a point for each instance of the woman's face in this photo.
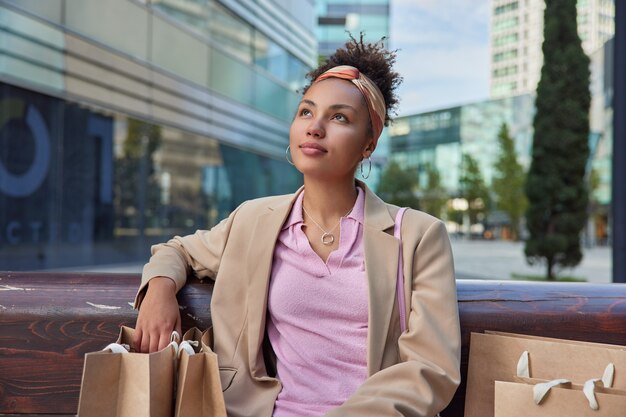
(330, 133)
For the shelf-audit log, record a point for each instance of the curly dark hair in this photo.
(373, 60)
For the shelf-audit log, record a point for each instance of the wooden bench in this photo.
(49, 321)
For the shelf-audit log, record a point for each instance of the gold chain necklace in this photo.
(327, 238)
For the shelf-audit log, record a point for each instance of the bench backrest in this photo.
(48, 321)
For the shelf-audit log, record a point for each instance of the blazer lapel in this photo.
(381, 266)
(259, 261)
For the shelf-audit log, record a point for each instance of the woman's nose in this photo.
(315, 129)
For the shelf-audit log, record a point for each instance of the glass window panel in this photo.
(505, 8)
(230, 32)
(297, 73)
(506, 23)
(179, 52)
(31, 28)
(270, 56)
(193, 14)
(231, 77)
(304, 12)
(272, 98)
(356, 2)
(31, 50)
(372, 9)
(50, 9)
(253, 176)
(24, 40)
(111, 22)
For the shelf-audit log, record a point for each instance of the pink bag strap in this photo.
(400, 282)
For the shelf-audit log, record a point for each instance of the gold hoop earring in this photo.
(369, 168)
(287, 153)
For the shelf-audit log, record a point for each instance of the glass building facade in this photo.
(338, 17)
(440, 138)
(124, 123)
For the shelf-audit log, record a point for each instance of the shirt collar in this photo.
(295, 216)
(357, 213)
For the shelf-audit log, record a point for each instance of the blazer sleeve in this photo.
(428, 373)
(199, 253)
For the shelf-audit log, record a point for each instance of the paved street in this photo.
(474, 259)
(477, 259)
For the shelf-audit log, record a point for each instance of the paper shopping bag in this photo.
(128, 384)
(532, 397)
(513, 399)
(494, 357)
(199, 392)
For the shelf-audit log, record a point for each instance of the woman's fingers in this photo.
(165, 340)
(158, 315)
(137, 337)
(145, 343)
(178, 326)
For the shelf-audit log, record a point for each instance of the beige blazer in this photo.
(413, 374)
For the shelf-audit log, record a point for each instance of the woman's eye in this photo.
(305, 112)
(340, 117)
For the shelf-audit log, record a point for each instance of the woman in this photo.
(304, 309)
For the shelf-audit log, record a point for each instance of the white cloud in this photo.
(444, 51)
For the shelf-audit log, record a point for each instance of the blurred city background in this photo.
(126, 122)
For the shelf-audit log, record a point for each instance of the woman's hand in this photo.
(159, 315)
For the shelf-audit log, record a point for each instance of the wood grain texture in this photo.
(49, 321)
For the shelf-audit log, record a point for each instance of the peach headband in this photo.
(373, 97)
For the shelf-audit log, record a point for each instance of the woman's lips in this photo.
(312, 149)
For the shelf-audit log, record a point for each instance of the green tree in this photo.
(555, 185)
(434, 197)
(508, 181)
(137, 188)
(397, 186)
(473, 189)
(595, 210)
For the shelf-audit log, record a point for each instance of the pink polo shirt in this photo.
(318, 316)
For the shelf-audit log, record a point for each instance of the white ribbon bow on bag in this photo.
(541, 390)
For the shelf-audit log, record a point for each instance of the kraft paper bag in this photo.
(494, 357)
(517, 400)
(199, 392)
(128, 384)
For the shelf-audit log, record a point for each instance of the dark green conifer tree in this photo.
(555, 184)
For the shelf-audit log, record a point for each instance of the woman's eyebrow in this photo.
(342, 106)
(334, 106)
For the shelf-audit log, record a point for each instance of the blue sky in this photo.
(444, 52)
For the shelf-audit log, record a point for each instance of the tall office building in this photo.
(126, 122)
(517, 38)
(337, 17)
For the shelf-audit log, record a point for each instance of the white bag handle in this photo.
(540, 390)
(117, 348)
(188, 346)
(125, 348)
(589, 388)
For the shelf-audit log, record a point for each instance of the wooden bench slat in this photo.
(48, 321)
